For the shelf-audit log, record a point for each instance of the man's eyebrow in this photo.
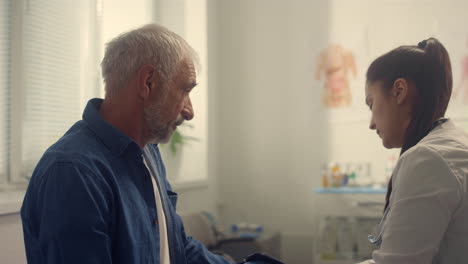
(192, 85)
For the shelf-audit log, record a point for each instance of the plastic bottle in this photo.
(325, 183)
(360, 177)
(351, 176)
(345, 180)
(337, 176)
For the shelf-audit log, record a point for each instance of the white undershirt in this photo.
(163, 242)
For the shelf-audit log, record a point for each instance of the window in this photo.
(50, 52)
(188, 18)
(5, 44)
(48, 70)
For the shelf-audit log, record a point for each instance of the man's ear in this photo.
(146, 81)
(400, 90)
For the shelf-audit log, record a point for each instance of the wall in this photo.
(272, 138)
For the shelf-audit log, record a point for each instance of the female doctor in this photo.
(426, 213)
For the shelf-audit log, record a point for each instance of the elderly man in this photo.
(100, 193)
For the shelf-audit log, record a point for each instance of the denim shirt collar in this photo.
(114, 139)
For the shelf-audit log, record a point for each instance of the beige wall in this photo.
(271, 136)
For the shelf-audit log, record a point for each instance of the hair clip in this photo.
(422, 44)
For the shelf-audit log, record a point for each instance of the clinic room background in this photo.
(280, 137)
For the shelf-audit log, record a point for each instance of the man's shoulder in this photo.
(79, 146)
(79, 139)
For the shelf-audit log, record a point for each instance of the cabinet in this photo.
(343, 226)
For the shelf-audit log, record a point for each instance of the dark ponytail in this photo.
(427, 65)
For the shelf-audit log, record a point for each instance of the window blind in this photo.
(50, 75)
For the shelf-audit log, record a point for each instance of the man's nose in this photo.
(187, 111)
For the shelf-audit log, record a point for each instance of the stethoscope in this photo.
(377, 240)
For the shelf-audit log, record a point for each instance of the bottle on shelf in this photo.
(337, 177)
(352, 178)
(325, 182)
(346, 173)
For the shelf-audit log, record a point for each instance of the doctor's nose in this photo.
(372, 124)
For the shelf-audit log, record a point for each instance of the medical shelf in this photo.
(351, 190)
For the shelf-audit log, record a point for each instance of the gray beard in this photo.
(156, 131)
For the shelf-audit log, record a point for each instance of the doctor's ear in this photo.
(400, 90)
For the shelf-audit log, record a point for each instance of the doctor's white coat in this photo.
(427, 220)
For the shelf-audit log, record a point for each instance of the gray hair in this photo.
(148, 45)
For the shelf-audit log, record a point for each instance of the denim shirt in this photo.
(91, 200)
